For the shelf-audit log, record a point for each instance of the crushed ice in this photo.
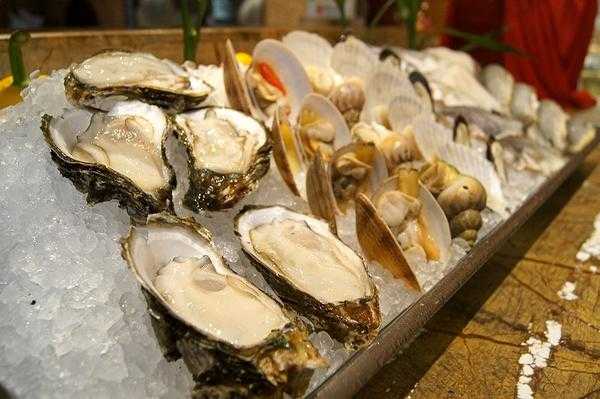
(591, 247)
(567, 291)
(75, 322)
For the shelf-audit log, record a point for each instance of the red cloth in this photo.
(553, 34)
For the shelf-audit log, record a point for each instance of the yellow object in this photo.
(9, 94)
(243, 58)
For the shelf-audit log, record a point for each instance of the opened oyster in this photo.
(115, 155)
(402, 225)
(111, 76)
(312, 270)
(228, 153)
(235, 339)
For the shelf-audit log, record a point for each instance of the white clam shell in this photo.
(470, 163)
(288, 69)
(322, 106)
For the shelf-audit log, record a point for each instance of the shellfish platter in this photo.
(258, 228)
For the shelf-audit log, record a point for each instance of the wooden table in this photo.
(470, 349)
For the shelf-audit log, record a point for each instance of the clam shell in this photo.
(379, 244)
(235, 86)
(310, 48)
(323, 107)
(288, 69)
(353, 58)
(470, 163)
(319, 192)
(286, 153)
(433, 214)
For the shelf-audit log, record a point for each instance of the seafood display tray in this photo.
(399, 333)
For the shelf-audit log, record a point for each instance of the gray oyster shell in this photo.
(354, 322)
(111, 75)
(282, 362)
(211, 189)
(97, 180)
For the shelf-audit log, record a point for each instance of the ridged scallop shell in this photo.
(403, 110)
(499, 82)
(430, 136)
(470, 163)
(524, 103)
(353, 58)
(288, 69)
(386, 83)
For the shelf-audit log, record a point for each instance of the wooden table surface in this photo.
(470, 349)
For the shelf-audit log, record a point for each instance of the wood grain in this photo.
(470, 349)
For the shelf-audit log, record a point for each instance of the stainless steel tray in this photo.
(363, 364)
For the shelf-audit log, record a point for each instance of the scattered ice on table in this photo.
(75, 322)
(537, 357)
(591, 247)
(594, 269)
(567, 291)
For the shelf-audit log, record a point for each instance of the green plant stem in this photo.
(17, 67)
(343, 19)
(191, 33)
(381, 12)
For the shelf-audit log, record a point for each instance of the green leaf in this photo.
(489, 41)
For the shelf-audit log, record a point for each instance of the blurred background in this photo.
(433, 22)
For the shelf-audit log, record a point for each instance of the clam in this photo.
(276, 78)
(470, 163)
(314, 52)
(462, 198)
(354, 61)
(116, 155)
(235, 340)
(402, 225)
(332, 186)
(228, 153)
(312, 270)
(113, 76)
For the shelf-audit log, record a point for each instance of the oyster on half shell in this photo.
(235, 340)
(111, 76)
(115, 155)
(228, 153)
(312, 270)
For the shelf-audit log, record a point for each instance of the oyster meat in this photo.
(114, 155)
(312, 270)
(111, 76)
(228, 153)
(235, 340)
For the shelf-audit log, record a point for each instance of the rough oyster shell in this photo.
(340, 298)
(118, 155)
(171, 257)
(524, 103)
(223, 169)
(112, 76)
(499, 82)
(552, 122)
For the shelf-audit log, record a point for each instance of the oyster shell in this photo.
(116, 155)
(401, 225)
(112, 76)
(228, 153)
(524, 103)
(234, 339)
(552, 122)
(499, 82)
(312, 270)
